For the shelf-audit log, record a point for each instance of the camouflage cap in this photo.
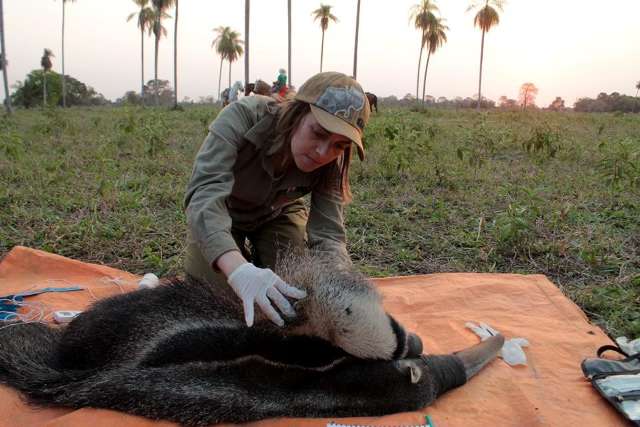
(339, 104)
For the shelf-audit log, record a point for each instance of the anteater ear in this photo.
(411, 369)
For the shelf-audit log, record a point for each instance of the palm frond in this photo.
(486, 18)
(436, 36)
(422, 14)
(323, 13)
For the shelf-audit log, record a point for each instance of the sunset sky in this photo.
(567, 48)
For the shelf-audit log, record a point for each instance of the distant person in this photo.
(225, 97)
(281, 83)
(258, 161)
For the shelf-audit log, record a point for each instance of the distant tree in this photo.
(557, 104)
(46, 64)
(160, 88)
(158, 30)
(637, 88)
(408, 97)
(422, 16)
(64, 90)
(507, 103)
(528, 92)
(608, 103)
(130, 98)
(486, 18)
(144, 20)
(324, 15)
(3, 61)
(435, 37)
(205, 100)
(28, 94)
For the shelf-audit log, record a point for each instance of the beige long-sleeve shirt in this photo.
(233, 184)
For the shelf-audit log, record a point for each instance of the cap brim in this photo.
(335, 125)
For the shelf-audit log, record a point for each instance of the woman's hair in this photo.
(289, 118)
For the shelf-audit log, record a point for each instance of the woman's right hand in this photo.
(263, 287)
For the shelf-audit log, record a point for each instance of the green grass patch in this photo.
(536, 192)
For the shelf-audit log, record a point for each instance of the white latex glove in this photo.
(511, 351)
(263, 286)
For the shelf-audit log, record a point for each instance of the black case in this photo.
(597, 368)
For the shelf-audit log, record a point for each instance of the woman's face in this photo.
(312, 146)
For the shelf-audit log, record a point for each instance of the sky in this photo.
(567, 48)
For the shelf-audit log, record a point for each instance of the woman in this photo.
(248, 178)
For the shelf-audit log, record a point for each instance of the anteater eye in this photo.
(347, 310)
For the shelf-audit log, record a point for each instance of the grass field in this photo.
(536, 192)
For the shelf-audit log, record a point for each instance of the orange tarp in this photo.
(549, 391)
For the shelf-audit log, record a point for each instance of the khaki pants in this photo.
(288, 230)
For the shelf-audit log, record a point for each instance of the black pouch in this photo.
(618, 381)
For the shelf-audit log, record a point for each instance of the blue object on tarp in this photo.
(8, 308)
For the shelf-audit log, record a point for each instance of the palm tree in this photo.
(355, 49)
(158, 31)
(229, 46)
(637, 84)
(323, 13)
(46, 64)
(436, 36)
(247, 9)
(64, 89)
(233, 49)
(289, 33)
(422, 16)
(218, 44)
(3, 61)
(145, 20)
(486, 18)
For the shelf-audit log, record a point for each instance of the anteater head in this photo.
(344, 308)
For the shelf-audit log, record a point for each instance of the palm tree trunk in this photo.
(155, 73)
(175, 60)
(289, 48)
(220, 78)
(247, 10)
(142, 66)
(229, 77)
(44, 88)
(480, 76)
(321, 50)
(419, 63)
(64, 88)
(355, 49)
(7, 97)
(424, 81)
(637, 90)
